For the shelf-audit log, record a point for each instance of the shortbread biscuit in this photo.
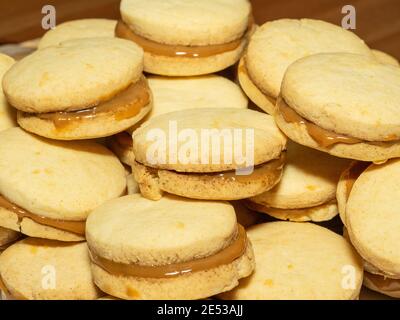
(212, 167)
(275, 45)
(48, 188)
(300, 261)
(174, 248)
(38, 269)
(178, 41)
(307, 190)
(79, 89)
(351, 113)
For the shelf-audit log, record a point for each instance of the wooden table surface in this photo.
(378, 21)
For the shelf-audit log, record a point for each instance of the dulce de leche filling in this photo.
(123, 31)
(226, 256)
(352, 174)
(77, 227)
(126, 104)
(323, 137)
(259, 171)
(382, 283)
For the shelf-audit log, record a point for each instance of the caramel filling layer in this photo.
(123, 31)
(384, 284)
(124, 105)
(259, 171)
(295, 211)
(226, 256)
(77, 227)
(323, 137)
(352, 174)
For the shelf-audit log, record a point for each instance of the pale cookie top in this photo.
(78, 29)
(57, 179)
(373, 216)
(309, 179)
(174, 94)
(39, 269)
(73, 75)
(385, 58)
(187, 22)
(254, 136)
(277, 44)
(7, 114)
(300, 261)
(346, 93)
(133, 229)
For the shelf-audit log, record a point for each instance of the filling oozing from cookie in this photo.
(243, 69)
(123, 31)
(77, 227)
(124, 105)
(325, 138)
(235, 250)
(352, 174)
(383, 283)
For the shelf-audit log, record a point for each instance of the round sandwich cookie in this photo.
(307, 190)
(39, 269)
(277, 44)
(213, 154)
(7, 237)
(373, 220)
(78, 29)
(187, 37)
(300, 261)
(175, 94)
(343, 104)
(48, 188)
(8, 116)
(174, 248)
(80, 89)
(385, 58)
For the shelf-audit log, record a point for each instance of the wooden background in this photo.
(378, 21)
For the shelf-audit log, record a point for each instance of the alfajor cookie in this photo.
(300, 261)
(277, 44)
(80, 89)
(343, 104)
(372, 217)
(48, 188)
(8, 116)
(187, 37)
(78, 29)
(175, 94)
(385, 58)
(307, 190)
(38, 269)
(7, 237)
(215, 154)
(174, 248)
